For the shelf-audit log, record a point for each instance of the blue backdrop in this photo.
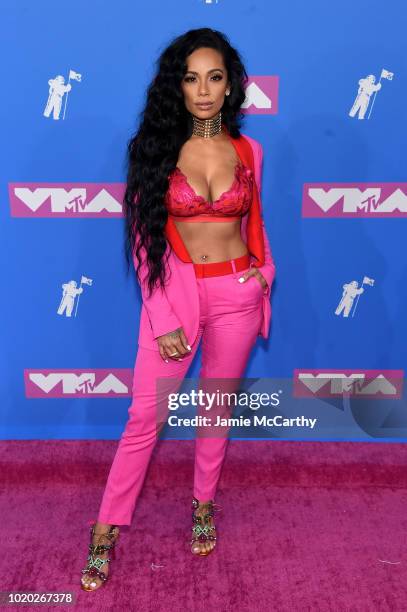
(333, 198)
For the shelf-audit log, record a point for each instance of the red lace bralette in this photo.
(184, 204)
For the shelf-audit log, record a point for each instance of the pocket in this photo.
(258, 287)
(257, 282)
(251, 290)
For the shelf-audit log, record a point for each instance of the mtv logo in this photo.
(66, 199)
(78, 383)
(361, 383)
(372, 200)
(261, 96)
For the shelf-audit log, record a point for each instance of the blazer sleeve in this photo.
(268, 269)
(160, 312)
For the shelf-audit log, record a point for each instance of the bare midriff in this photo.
(208, 242)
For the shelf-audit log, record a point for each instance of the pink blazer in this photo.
(178, 304)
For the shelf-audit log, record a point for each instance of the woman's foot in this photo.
(203, 529)
(103, 541)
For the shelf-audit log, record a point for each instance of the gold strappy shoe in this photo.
(202, 531)
(95, 562)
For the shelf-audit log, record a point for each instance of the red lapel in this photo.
(255, 240)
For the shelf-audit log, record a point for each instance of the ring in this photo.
(172, 354)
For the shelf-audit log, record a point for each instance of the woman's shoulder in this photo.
(256, 145)
(256, 148)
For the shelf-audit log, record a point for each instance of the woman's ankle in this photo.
(103, 526)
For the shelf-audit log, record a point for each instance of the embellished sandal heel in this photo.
(94, 562)
(202, 530)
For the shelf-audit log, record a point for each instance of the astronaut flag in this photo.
(75, 76)
(387, 75)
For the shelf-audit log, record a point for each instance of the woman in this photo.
(192, 199)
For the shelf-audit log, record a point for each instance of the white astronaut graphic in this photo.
(70, 291)
(366, 88)
(57, 90)
(350, 292)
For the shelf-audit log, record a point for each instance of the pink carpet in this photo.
(315, 526)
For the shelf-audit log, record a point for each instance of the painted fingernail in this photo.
(241, 279)
(179, 359)
(166, 361)
(188, 347)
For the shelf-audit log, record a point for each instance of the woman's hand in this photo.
(173, 345)
(254, 272)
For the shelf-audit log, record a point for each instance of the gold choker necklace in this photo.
(206, 128)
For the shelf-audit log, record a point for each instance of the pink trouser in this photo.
(230, 319)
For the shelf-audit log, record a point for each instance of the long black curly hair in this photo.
(153, 151)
